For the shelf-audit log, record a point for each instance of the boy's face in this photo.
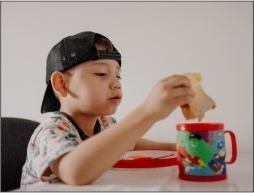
(94, 87)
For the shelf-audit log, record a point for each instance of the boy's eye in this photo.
(100, 74)
(104, 74)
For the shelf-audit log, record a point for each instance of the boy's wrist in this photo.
(148, 113)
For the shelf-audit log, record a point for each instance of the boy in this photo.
(75, 144)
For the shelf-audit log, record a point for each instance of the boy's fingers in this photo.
(182, 91)
(177, 81)
(181, 81)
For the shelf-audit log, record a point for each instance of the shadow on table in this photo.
(223, 185)
(182, 185)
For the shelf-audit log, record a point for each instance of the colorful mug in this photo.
(201, 151)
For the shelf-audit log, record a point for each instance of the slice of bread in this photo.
(201, 102)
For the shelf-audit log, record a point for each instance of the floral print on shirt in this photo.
(51, 139)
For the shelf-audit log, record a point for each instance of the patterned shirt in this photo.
(54, 137)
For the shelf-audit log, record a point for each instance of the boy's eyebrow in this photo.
(103, 63)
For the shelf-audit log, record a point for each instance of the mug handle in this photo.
(234, 147)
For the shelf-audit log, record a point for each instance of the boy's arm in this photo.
(94, 156)
(149, 144)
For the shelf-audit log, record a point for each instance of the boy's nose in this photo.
(115, 84)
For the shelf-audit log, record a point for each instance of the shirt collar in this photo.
(83, 136)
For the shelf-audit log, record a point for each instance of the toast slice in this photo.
(201, 102)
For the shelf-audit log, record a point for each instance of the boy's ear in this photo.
(59, 84)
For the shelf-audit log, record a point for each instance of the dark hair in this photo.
(102, 43)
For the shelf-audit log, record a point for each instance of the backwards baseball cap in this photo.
(71, 51)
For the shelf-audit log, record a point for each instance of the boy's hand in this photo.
(166, 95)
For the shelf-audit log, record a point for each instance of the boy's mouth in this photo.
(116, 99)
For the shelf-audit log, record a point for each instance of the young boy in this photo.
(75, 144)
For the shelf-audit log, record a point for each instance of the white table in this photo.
(240, 178)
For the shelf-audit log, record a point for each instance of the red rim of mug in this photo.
(199, 126)
(202, 178)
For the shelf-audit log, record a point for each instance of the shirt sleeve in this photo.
(55, 139)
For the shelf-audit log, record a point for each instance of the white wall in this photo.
(156, 39)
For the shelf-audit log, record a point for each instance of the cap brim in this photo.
(50, 103)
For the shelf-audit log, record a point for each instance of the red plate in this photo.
(147, 159)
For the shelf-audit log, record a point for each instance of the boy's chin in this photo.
(109, 112)
(105, 110)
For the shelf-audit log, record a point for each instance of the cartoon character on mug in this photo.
(195, 151)
(217, 164)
